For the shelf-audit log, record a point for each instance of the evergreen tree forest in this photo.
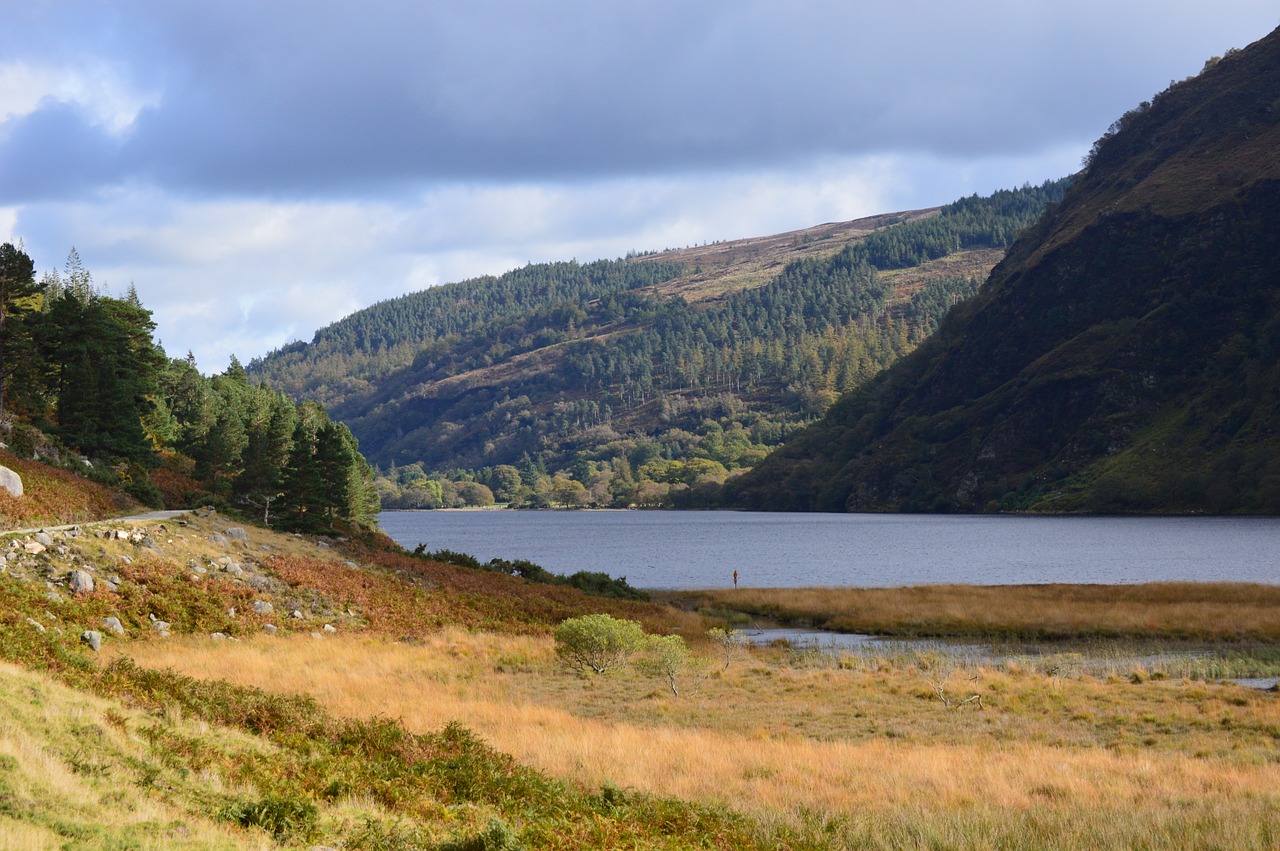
(86, 387)
(566, 384)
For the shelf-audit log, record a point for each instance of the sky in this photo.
(257, 170)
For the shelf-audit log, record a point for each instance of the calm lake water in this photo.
(672, 549)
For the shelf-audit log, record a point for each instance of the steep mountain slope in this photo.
(1123, 357)
(556, 367)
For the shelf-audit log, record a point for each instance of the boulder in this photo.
(93, 638)
(236, 533)
(80, 582)
(113, 624)
(262, 607)
(44, 538)
(10, 481)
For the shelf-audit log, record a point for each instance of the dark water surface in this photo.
(672, 549)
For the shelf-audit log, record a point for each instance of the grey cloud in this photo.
(304, 98)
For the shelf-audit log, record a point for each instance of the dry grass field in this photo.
(864, 747)
(1172, 610)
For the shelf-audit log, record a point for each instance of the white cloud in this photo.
(98, 89)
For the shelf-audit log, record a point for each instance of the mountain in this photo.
(1123, 357)
(664, 370)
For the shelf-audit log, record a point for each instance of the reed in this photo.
(1175, 610)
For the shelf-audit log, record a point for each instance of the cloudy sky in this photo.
(260, 169)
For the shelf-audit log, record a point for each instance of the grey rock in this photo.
(295, 614)
(258, 582)
(160, 626)
(352, 565)
(236, 533)
(93, 638)
(39, 626)
(126, 559)
(225, 560)
(80, 582)
(262, 607)
(219, 539)
(108, 585)
(234, 569)
(44, 538)
(218, 636)
(10, 481)
(269, 629)
(330, 628)
(112, 624)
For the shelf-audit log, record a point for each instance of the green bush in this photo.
(284, 818)
(666, 657)
(597, 643)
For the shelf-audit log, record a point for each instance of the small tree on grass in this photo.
(597, 643)
(666, 657)
(732, 643)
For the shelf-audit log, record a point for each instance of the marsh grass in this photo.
(1169, 610)
(864, 754)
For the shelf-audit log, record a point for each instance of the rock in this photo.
(112, 624)
(352, 565)
(231, 612)
(258, 582)
(39, 626)
(160, 626)
(10, 481)
(225, 560)
(80, 582)
(295, 614)
(126, 560)
(108, 585)
(93, 638)
(33, 547)
(220, 540)
(330, 628)
(262, 607)
(234, 569)
(44, 538)
(236, 533)
(218, 636)
(269, 629)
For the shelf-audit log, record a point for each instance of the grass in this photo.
(861, 751)
(1166, 610)
(438, 717)
(52, 496)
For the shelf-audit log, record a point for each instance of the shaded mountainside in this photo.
(1122, 358)
(593, 371)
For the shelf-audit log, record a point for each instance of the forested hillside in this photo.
(1122, 358)
(87, 389)
(642, 380)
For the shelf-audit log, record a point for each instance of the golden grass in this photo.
(69, 779)
(1209, 611)
(779, 742)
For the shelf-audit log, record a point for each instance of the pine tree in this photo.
(17, 286)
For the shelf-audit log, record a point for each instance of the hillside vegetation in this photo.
(641, 381)
(1121, 358)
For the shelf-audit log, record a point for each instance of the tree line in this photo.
(84, 384)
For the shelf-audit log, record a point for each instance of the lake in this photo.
(680, 550)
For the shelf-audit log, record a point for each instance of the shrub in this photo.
(284, 818)
(666, 657)
(598, 643)
(732, 643)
